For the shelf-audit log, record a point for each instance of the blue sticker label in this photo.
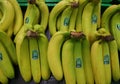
(118, 26)
(66, 21)
(1, 58)
(27, 20)
(78, 63)
(35, 54)
(94, 19)
(106, 59)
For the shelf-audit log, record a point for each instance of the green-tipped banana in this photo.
(54, 56)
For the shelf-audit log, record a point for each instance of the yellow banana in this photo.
(18, 21)
(44, 13)
(65, 18)
(86, 19)
(43, 48)
(23, 56)
(97, 63)
(68, 63)
(86, 54)
(107, 14)
(57, 9)
(8, 12)
(73, 18)
(82, 5)
(79, 64)
(32, 14)
(3, 78)
(115, 27)
(5, 63)
(114, 58)
(35, 59)
(54, 58)
(107, 62)
(58, 22)
(9, 46)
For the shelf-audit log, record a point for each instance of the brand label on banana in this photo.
(35, 54)
(1, 58)
(78, 63)
(27, 20)
(118, 26)
(94, 19)
(106, 59)
(66, 21)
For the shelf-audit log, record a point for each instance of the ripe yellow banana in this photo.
(97, 62)
(54, 50)
(43, 48)
(68, 63)
(79, 15)
(79, 64)
(9, 46)
(114, 58)
(44, 12)
(86, 54)
(3, 78)
(72, 23)
(107, 14)
(8, 12)
(107, 62)
(32, 14)
(57, 9)
(5, 63)
(35, 59)
(87, 19)
(23, 56)
(18, 21)
(115, 27)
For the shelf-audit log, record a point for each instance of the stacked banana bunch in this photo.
(32, 43)
(81, 50)
(11, 20)
(11, 17)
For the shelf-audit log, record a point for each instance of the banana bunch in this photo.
(106, 65)
(11, 17)
(111, 22)
(32, 43)
(8, 58)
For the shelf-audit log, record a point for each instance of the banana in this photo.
(9, 46)
(35, 59)
(86, 54)
(106, 60)
(107, 14)
(53, 53)
(94, 23)
(56, 10)
(58, 22)
(72, 23)
(65, 18)
(8, 12)
(5, 63)
(86, 19)
(79, 64)
(97, 62)
(23, 56)
(3, 78)
(81, 7)
(44, 13)
(32, 14)
(18, 21)
(1, 14)
(68, 63)
(114, 58)
(43, 48)
(115, 25)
